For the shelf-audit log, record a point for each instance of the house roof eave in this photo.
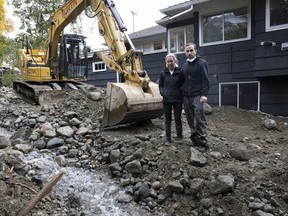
(179, 12)
(152, 31)
(171, 10)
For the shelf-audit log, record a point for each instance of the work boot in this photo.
(195, 140)
(203, 142)
(168, 134)
(179, 139)
(168, 141)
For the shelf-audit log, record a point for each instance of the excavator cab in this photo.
(47, 84)
(72, 61)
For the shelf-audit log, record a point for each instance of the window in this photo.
(227, 26)
(98, 66)
(276, 14)
(147, 47)
(151, 46)
(178, 37)
(158, 45)
(243, 95)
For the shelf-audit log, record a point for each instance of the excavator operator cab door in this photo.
(73, 62)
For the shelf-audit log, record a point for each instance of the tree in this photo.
(35, 19)
(6, 25)
(8, 51)
(6, 44)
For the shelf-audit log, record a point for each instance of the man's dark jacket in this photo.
(169, 86)
(194, 78)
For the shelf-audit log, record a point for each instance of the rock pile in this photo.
(242, 173)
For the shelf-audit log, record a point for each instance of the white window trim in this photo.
(141, 47)
(163, 46)
(101, 70)
(221, 9)
(237, 83)
(267, 20)
(176, 42)
(168, 41)
(156, 51)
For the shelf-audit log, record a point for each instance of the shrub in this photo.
(8, 78)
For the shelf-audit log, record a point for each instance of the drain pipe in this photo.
(181, 13)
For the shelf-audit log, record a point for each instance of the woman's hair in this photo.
(172, 56)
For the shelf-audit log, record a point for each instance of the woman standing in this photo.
(169, 87)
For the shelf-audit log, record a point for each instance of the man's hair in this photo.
(191, 44)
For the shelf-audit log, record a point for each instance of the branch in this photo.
(15, 183)
(45, 190)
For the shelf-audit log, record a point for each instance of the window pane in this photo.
(166, 45)
(180, 47)
(189, 34)
(158, 45)
(235, 24)
(248, 96)
(229, 95)
(173, 41)
(147, 48)
(278, 12)
(212, 28)
(98, 66)
(179, 37)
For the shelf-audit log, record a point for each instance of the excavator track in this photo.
(45, 93)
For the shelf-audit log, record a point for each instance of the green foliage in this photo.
(35, 19)
(9, 51)
(34, 23)
(8, 78)
(6, 24)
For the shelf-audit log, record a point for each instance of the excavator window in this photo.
(75, 53)
(75, 59)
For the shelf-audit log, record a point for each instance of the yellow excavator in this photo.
(64, 65)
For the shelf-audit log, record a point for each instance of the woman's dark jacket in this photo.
(169, 86)
(194, 76)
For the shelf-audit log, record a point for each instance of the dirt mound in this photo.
(243, 173)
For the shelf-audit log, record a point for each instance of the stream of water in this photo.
(95, 190)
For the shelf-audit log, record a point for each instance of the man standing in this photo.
(195, 87)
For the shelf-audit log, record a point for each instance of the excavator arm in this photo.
(111, 27)
(137, 98)
(58, 21)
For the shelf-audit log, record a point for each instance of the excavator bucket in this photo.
(52, 97)
(128, 103)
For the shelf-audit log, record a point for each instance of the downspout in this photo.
(181, 13)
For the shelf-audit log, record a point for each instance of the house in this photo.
(245, 43)
(151, 41)
(98, 73)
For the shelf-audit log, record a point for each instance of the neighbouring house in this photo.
(245, 43)
(151, 41)
(98, 72)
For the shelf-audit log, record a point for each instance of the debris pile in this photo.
(243, 173)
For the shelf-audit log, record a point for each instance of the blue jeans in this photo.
(196, 118)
